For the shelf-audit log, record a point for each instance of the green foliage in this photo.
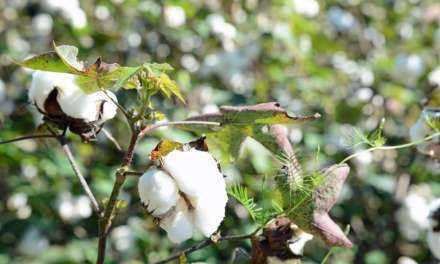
(237, 123)
(258, 214)
(432, 118)
(268, 51)
(150, 78)
(374, 139)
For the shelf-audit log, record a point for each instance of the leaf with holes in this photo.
(240, 122)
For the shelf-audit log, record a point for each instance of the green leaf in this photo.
(49, 61)
(237, 123)
(432, 117)
(159, 67)
(125, 74)
(160, 81)
(240, 194)
(113, 80)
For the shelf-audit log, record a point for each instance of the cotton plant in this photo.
(184, 189)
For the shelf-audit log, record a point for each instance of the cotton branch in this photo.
(151, 128)
(406, 145)
(72, 163)
(27, 137)
(78, 174)
(205, 243)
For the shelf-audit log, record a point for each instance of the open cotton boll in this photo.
(158, 191)
(297, 244)
(209, 212)
(44, 82)
(71, 99)
(194, 171)
(89, 107)
(178, 225)
(433, 239)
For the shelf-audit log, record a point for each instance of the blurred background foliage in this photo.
(353, 61)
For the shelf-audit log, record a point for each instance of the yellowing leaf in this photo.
(164, 147)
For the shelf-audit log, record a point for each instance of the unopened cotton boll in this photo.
(94, 107)
(157, 191)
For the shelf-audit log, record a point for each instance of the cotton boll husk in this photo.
(194, 171)
(178, 225)
(158, 191)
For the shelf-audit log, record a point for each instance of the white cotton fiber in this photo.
(178, 225)
(194, 171)
(157, 191)
(72, 100)
(196, 177)
(433, 239)
(209, 211)
(44, 82)
(297, 244)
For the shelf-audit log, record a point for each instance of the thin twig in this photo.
(78, 174)
(111, 138)
(151, 128)
(406, 145)
(205, 243)
(27, 137)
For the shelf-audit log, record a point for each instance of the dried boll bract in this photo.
(60, 100)
(194, 178)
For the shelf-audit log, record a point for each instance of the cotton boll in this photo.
(71, 99)
(44, 82)
(158, 191)
(297, 244)
(178, 225)
(210, 210)
(194, 171)
(413, 216)
(88, 106)
(433, 239)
